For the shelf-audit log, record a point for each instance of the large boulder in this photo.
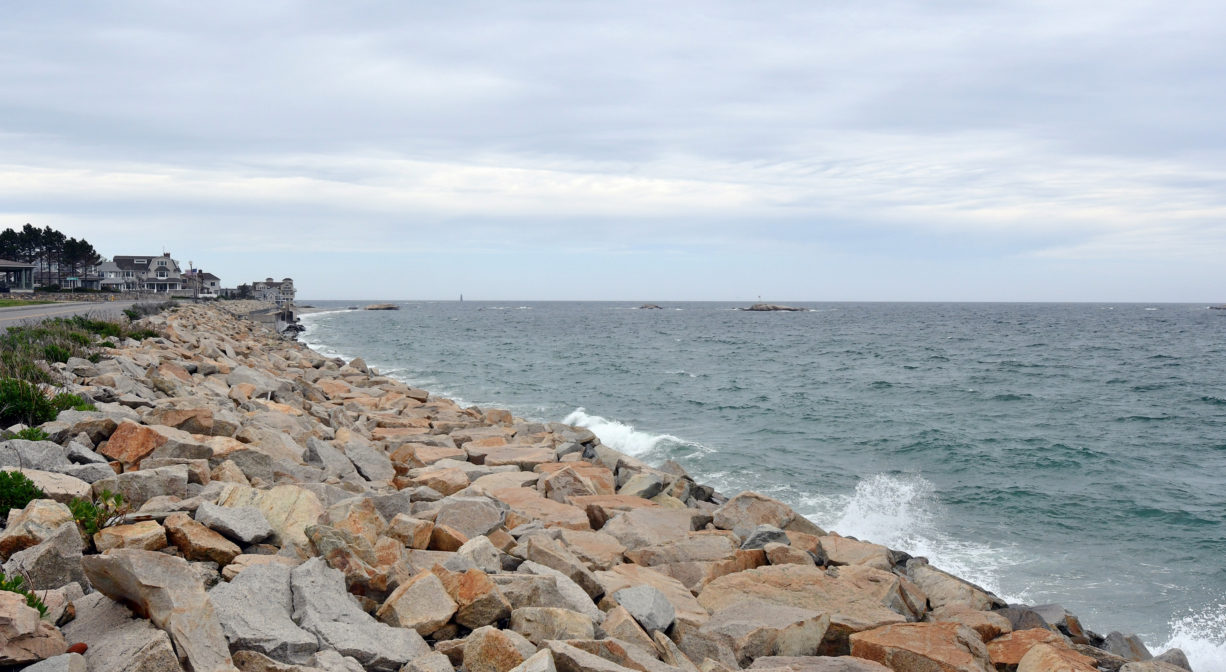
(41, 455)
(1053, 658)
(32, 525)
(944, 589)
(53, 562)
(855, 602)
(255, 613)
(118, 641)
(745, 512)
(323, 607)
(289, 509)
(24, 637)
(755, 628)
(421, 603)
(941, 647)
(165, 590)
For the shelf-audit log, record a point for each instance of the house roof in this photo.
(6, 265)
(128, 263)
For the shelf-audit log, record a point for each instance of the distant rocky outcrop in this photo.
(306, 514)
(650, 306)
(767, 307)
(382, 306)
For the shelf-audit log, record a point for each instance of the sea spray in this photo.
(1202, 637)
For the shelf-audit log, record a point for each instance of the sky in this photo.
(793, 151)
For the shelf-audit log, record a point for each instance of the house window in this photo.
(161, 274)
(127, 274)
(140, 261)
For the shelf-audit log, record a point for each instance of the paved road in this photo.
(27, 314)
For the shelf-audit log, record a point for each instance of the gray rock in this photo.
(1154, 665)
(573, 597)
(252, 463)
(645, 485)
(265, 384)
(1128, 647)
(78, 453)
(255, 613)
(169, 592)
(244, 524)
(1022, 617)
(1175, 657)
(648, 606)
(473, 516)
(97, 425)
(137, 487)
(68, 662)
(53, 563)
(42, 455)
(371, 462)
(400, 501)
(323, 606)
(763, 535)
(432, 662)
(333, 661)
(117, 641)
(325, 456)
(90, 473)
(817, 664)
(481, 553)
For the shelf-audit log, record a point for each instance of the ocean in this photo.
(1069, 453)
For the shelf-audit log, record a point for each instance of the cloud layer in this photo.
(907, 149)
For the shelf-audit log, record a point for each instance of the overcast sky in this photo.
(676, 150)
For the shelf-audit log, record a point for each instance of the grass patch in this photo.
(11, 303)
(32, 434)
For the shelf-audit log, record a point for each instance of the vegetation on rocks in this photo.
(92, 516)
(14, 585)
(17, 490)
(31, 434)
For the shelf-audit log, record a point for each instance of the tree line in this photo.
(54, 255)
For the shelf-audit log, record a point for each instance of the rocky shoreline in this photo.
(294, 513)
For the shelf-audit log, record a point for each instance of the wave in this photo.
(903, 512)
(1202, 637)
(625, 438)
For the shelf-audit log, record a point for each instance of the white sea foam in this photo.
(1202, 637)
(621, 436)
(904, 512)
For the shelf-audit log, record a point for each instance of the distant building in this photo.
(280, 293)
(16, 276)
(159, 274)
(203, 285)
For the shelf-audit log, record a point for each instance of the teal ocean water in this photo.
(1071, 453)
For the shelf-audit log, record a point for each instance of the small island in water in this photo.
(766, 307)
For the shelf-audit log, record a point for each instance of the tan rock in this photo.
(565, 483)
(553, 554)
(844, 551)
(446, 538)
(944, 589)
(754, 628)
(32, 525)
(197, 541)
(598, 476)
(445, 481)
(1009, 649)
(289, 509)
(855, 602)
(164, 589)
(988, 624)
(147, 535)
(229, 472)
(527, 505)
(478, 599)
(618, 623)
(59, 487)
(650, 526)
(421, 603)
(489, 649)
(539, 624)
(940, 647)
(688, 609)
(412, 532)
(524, 457)
(241, 562)
(1051, 658)
(358, 517)
(24, 637)
(782, 554)
(601, 509)
(745, 512)
(597, 549)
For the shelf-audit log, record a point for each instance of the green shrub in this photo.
(65, 401)
(32, 434)
(132, 314)
(13, 585)
(56, 353)
(107, 344)
(17, 490)
(142, 334)
(108, 510)
(24, 402)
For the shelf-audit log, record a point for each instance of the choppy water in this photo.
(1070, 453)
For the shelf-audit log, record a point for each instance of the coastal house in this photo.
(280, 293)
(203, 285)
(160, 274)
